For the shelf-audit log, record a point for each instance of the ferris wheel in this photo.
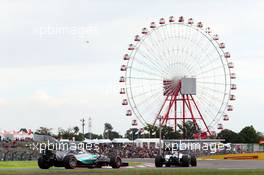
(177, 71)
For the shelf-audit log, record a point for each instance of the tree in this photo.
(71, 133)
(76, 129)
(109, 133)
(79, 137)
(23, 130)
(167, 132)
(188, 130)
(93, 136)
(229, 136)
(153, 131)
(132, 133)
(66, 133)
(114, 134)
(107, 129)
(44, 131)
(249, 135)
(260, 134)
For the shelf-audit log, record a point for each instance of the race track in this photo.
(205, 166)
(212, 164)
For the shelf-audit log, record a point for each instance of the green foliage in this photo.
(114, 134)
(24, 130)
(188, 129)
(66, 133)
(249, 135)
(107, 130)
(70, 133)
(108, 127)
(109, 133)
(93, 136)
(132, 134)
(167, 132)
(76, 129)
(44, 131)
(79, 137)
(230, 136)
(153, 131)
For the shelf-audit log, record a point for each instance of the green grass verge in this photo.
(33, 164)
(24, 167)
(135, 163)
(18, 164)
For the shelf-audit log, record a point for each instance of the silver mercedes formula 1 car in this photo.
(72, 159)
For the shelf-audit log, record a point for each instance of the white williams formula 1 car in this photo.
(176, 159)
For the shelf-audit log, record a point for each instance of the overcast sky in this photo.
(60, 59)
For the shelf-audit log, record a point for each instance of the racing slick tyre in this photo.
(193, 161)
(98, 166)
(185, 161)
(115, 162)
(91, 166)
(158, 161)
(70, 162)
(44, 164)
(94, 166)
(167, 164)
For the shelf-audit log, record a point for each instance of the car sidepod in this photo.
(87, 159)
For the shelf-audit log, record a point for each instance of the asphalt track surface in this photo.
(148, 164)
(213, 164)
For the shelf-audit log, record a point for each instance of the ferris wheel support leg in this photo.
(190, 109)
(175, 115)
(183, 113)
(201, 116)
(158, 115)
(166, 116)
(173, 99)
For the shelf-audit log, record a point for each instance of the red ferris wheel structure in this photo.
(177, 71)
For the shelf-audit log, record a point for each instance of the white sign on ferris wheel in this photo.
(180, 71)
